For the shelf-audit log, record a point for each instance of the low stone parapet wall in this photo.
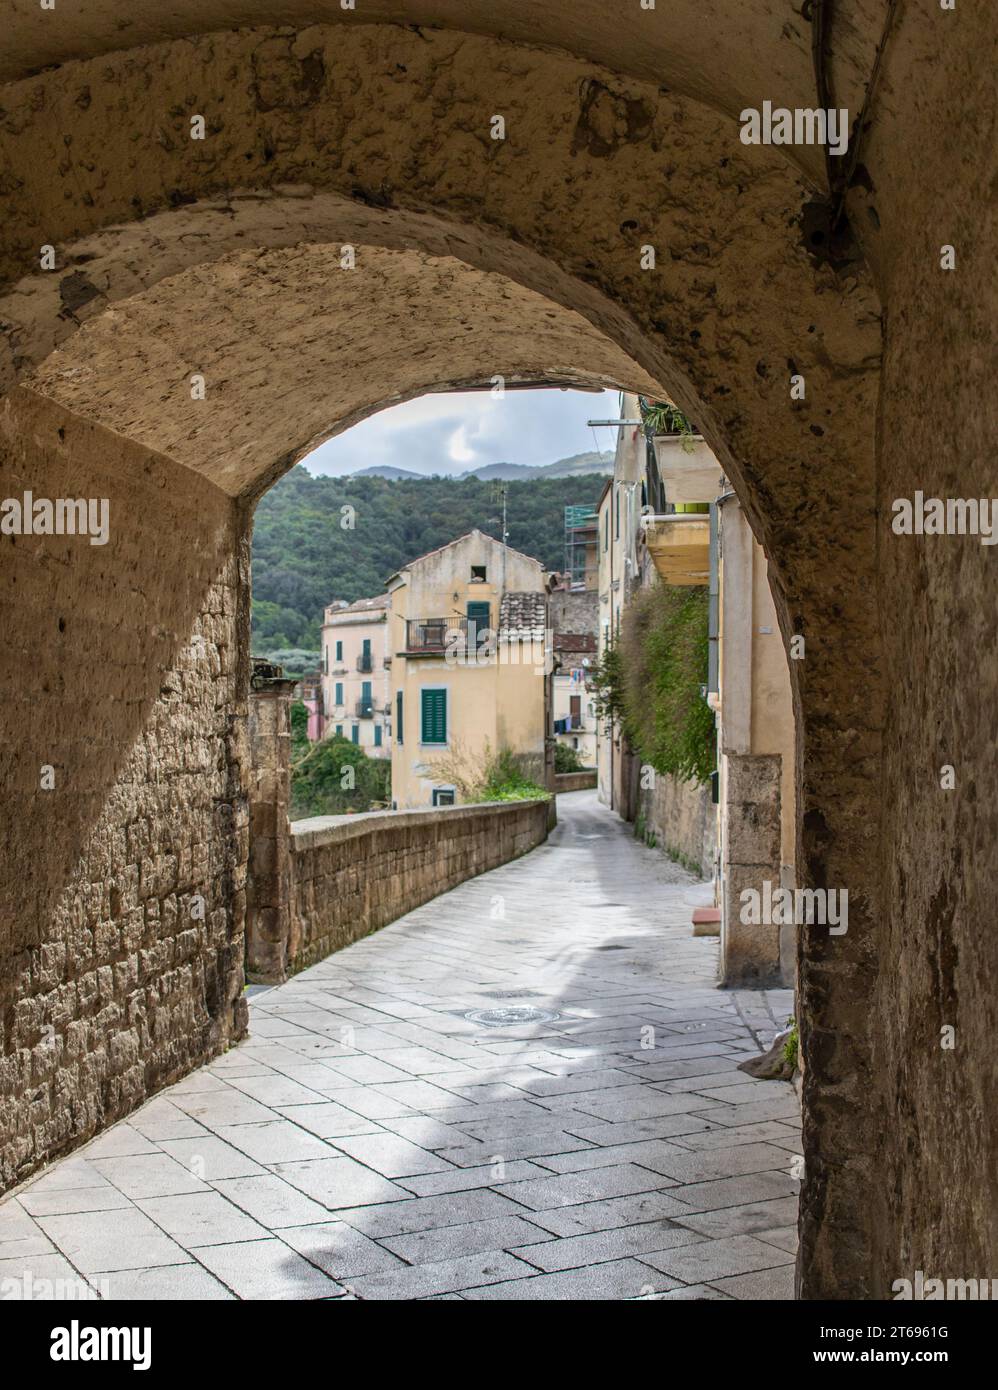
(575, 781)
(351, 875)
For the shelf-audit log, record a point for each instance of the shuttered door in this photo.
(434, 716)
(478, 625)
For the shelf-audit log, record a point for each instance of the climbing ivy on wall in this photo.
(662, 654)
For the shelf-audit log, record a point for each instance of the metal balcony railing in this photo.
(435, 634)
(365, 709)
(365, 662)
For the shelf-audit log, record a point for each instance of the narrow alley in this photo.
(525, 1089)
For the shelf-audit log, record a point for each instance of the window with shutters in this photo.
(377, 735)
(339, 693)
(398, 718)
(433, 711)
(478, 624)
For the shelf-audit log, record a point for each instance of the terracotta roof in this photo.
(359, 607)
(523, 615)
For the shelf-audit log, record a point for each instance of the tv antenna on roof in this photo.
(499, 491)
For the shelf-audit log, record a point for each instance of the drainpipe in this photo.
(712, 618)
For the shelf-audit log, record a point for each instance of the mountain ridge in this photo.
(568, 467)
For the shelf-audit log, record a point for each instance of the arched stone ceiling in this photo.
(99, 162)
(726, 53)
(119, 262)
(293, 347)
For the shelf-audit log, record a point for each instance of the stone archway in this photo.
(385, 134)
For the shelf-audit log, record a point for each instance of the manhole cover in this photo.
(510, 994)
(510, 1016)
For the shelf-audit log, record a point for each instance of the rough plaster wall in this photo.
(725, 53)
(120, 668)
(593, 168)
(938, 959)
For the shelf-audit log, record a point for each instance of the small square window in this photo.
(478, 574)
(443, 796)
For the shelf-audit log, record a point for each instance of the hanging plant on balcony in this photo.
(662, 417)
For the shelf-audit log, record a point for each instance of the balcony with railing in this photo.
(434, 636)
(364, 709)
(365, 662)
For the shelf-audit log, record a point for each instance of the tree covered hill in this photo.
(306, 553)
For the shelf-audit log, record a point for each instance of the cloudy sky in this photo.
(457, 431)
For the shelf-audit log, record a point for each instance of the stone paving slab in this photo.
(373, 1138)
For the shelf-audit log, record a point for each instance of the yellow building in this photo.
(355, 674)
(470, 668)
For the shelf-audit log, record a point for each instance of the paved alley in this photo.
(525, 1089)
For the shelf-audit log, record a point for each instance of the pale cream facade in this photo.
(356, 680)
(572, 706)
(470, 665)
(619, 573)
(648, 536)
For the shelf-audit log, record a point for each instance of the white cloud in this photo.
(454, 432)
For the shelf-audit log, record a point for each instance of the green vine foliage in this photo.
(660, 665)
(606, 682)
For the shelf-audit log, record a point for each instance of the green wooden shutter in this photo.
(434, 716)
(478, 615)
(398, 717)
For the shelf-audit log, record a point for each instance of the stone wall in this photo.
(125, 831)
(574, 781)
(354, 874)
(683, 820)
(750, 952)
(268, 889)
